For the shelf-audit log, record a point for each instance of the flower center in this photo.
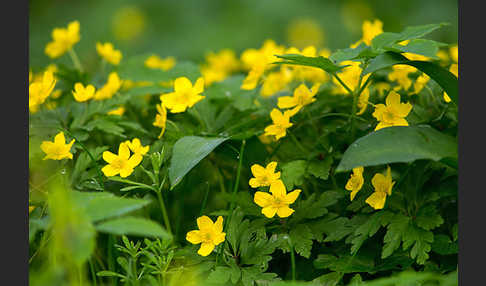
(118, 164)
(388, 116)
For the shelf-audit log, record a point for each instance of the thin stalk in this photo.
(342, 83)
(204, 200)
(93, 275)
(98, 170)
(75, 59)
(164, 212)
(238, 171)
(292, 258)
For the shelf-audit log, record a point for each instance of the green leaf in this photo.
(423, 47)
(393, 237)
(187, 152)
(398, 144)
(361, 51)
(318, 62)
(302, 237)
(219, 276)
(329, 279)
(447, 80)
(421, 241)
(409, 33)
(320, 169)
(133, 226)
(293, 173)
(369, 228)
(443, 245)
(100, 206)
(345, 263)
(106, 273)
(428, 218)
(106, 126)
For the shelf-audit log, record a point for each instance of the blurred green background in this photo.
(188, 29)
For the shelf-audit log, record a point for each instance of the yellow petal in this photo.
(254, 183)
(199, 85)
(194, 237)
(181, 84)
(204, 222)
(257, 170)
(269, 211)
(286, 102)
(284, 211)
(109, 171)
(292, 196)
(219, 238)
(123, 151)
(271, 167)
(218, 225)
(109, 157)
(135, 160)
(206, 248)
(59, 139)
(377, 200)
(263, 199)
(125, 172)
(393, 99)
(278, 189)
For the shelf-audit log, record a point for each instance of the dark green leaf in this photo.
(318, 62)
(398, 144)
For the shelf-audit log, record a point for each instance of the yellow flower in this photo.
(122, 163)
(280, 123)
(211, 75)
(302, 96)
(454, 52)
(108, 52)
(363, 101)
(420, 83)
(184, 96)
(118, 111)
(277, 202)
(394, 113)
(63, 40)
(31, 208)
(58, 149)
(264, 177)
(400, 75)
(225, 60)
(161, 118)
(355, 182)
(371, 30)
(275, 82)
(304, 32)
(110, 88)
(154, 62)
(136, 146)
(383, 186)
(257, 61)
(82, 93)
(40, 90)
(446, 97)
(209, 234)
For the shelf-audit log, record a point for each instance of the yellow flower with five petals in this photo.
(281, 121)
(58, 149)
(264, 177)
(184, 96)
(209, 234)
(277, 202)
(122, 163)
(393, 113)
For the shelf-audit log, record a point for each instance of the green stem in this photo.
(98, 169)
(292, 258)
(238, 171)
(75, 59)
(164, 212)
(204, 200)
(93, 274)
(342, 83)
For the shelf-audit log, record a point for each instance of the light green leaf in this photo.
(398, 144)
(219, 276)
(302, 237)
(133, 226)
(293, 173)
(428, 218)
(187, 152)
(318, 62)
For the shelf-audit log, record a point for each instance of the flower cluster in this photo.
(63, 39)
(39, 90)
(382, 184)
(219, 66)
(278, 200)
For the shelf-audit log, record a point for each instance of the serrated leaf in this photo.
(398, 144)
(369, 228)
(428, 218)
(302, 240)
(320, 169)
(187, 152)
(293, 173)
(393, 237)
(359, 52)
(133, 226)
(219, 275)
(443, 245)
(421, 241)
(309, 208)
